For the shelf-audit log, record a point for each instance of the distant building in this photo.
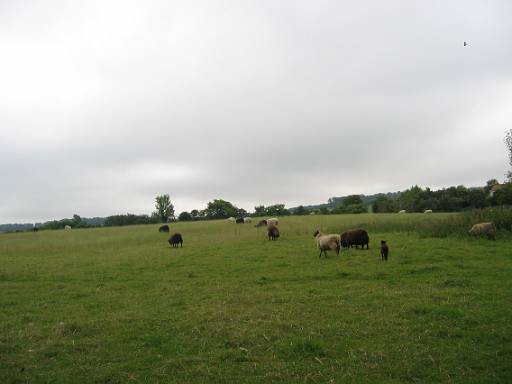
(494, 188)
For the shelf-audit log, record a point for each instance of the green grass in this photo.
(118, 305)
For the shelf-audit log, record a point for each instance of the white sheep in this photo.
(402, 211)
(272, 221)
(247, 219)
(428, 211)
(327, 243)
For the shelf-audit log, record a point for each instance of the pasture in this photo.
(119, 305)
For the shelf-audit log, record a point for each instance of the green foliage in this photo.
(164, 208)
(301, 210)
(271, 210)
(352, 200)
(130, 219)
(220, 209)
(503, 196)
(75, 222)
(185, 216)
(384, 204)
(259, 210)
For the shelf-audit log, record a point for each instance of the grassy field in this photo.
(118, 305)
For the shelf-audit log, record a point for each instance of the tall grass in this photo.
(460, 223)
(425, 225)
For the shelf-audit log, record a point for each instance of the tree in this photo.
(185, 216)
(383, 204)
(164, 208)
(352, 200)
(490, 183)
(220, 209)
(300, 210)
(503, 196)
(276, 210)
(195, 214)
(259, 210)
(508, 143)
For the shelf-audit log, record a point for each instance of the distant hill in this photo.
(23, 227)
(16, 227)
(333, 202)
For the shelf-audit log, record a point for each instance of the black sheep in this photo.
(176, 239)
(355, 237)
(384, 250)
(240, 220)
(164, 228)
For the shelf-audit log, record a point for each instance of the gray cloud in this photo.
(103, 105)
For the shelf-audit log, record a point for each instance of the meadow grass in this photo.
(118, 305)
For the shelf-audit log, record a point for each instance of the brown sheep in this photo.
(164, 228)
(272, 232)
(261, 223)
(488, 229)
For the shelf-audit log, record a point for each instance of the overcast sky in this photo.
(105, 104)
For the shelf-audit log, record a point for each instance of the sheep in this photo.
(488, 229)
(266, 222)
(384, 250)
(428, 211)
(67, 227)
(176, 239)
(355, 237)
(272, 232)
(247, 219)
(164, 228)
(327, 243)
(232, 219)
(239, 220)
(402, 211)
(261, 223)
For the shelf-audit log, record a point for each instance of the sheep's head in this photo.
(317, 232)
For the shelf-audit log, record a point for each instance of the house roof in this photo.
(496, 187)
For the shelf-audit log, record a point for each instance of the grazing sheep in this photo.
(239, 220)
(402, 211)
(428, 211)
(164, 228)
(176, 239)
(488, 229)
(272, 221)
(355, 237)
(261, 223)
(232, 219)
(247, 219)
(272, 232)
(327, 243)
(384, 250)
(67, 227)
